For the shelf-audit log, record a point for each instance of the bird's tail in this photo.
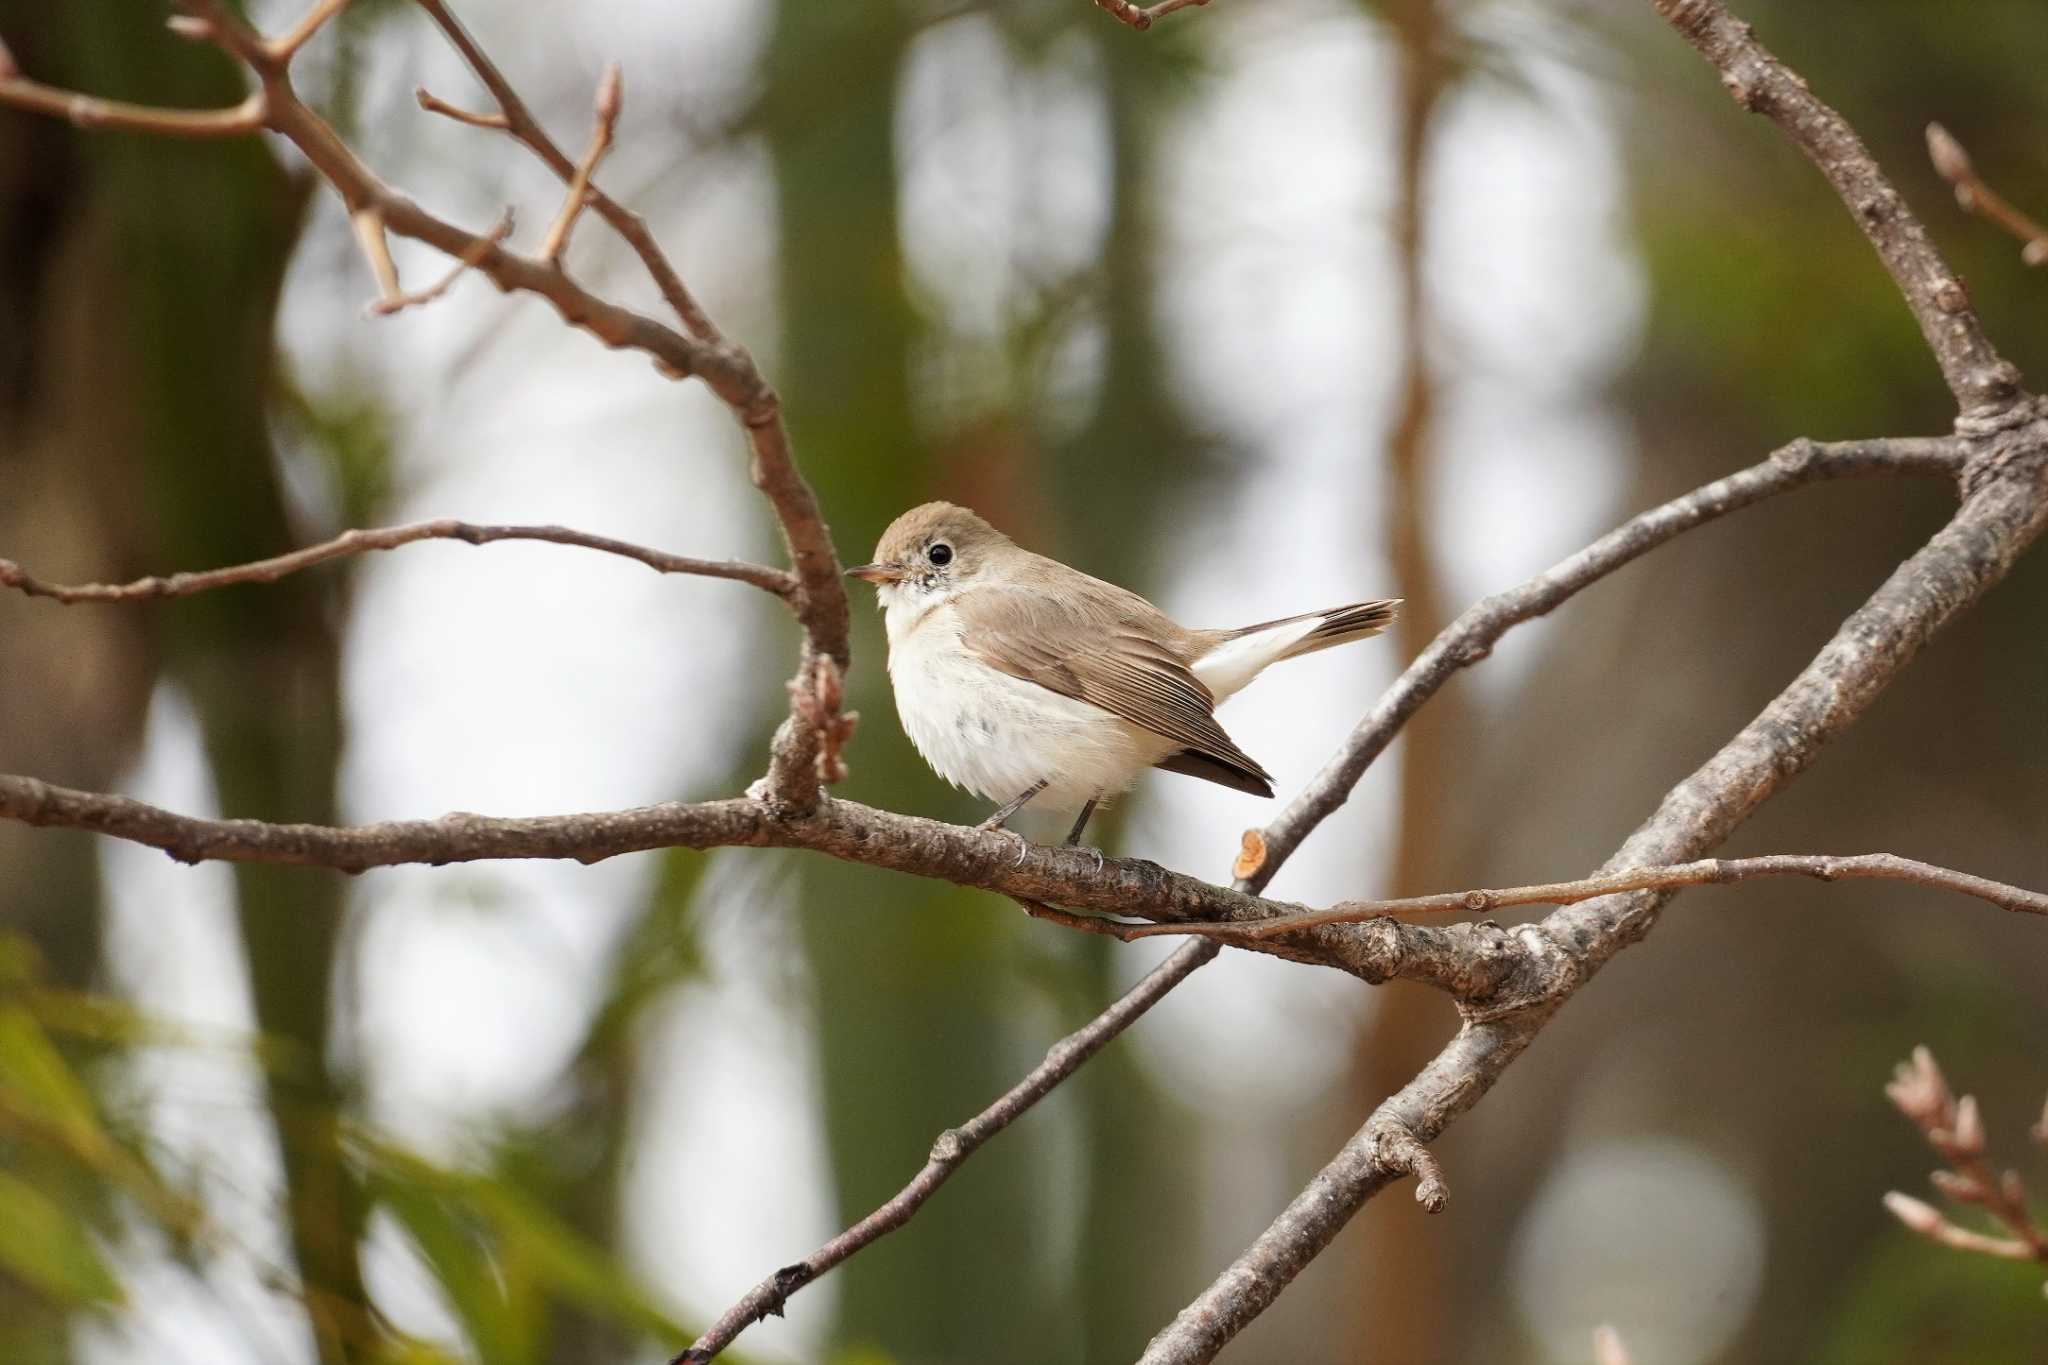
(1238, 656)
(1337, 626)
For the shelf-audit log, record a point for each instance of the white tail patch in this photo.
(1225, 669)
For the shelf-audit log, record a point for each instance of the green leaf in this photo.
(36, 1083)
(49, 1249)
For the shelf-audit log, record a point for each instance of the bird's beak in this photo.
(877, 574)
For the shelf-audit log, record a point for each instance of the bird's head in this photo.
(932, 552)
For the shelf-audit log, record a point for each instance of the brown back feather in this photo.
(1095, 642)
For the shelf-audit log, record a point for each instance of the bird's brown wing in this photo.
(1098, 651)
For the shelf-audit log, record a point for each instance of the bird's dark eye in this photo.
(940, 554)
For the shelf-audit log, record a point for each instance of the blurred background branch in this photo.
(1955, 1130)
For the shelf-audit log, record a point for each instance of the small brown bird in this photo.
(1019, 678)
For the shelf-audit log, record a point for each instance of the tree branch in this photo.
(1473, 635)
(2002, 516)
(952, 1149)
(605, 118)
(805, 746)
(1464, 959)
(801, 754)
(12, 575)
(1706, 872)
(515, 118)
(1986, 387)
(87, 111)
(392, 303)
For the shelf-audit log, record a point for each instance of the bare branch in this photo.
(384, 307)
(87, 111)
(1706, 872)
(1473, 635)
(605, 119)
(2002, 516)
(1986, 387)
(953, 1148)
(1953, 164)
(1141, 17)
(821, 605)
(518, 120)
(12, 575)
(819, 599)
(1468, 960)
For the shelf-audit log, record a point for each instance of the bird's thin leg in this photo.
(1012, 806)
(1074, 834)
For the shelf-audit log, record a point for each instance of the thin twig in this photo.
(519, 121)
(368, 222)
(820, 602)
(1953, 164)
(384, 307)
(12, 575)
(89, 111)
(1142, 17)
(954, 1146)
(1986, 387)
(1480, 627)
(1705, 872)
(434, 104)
(285, 47)
(605, 119)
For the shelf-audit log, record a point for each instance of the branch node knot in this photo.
(1399, 1151)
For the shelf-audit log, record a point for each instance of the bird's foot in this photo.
(993, 826)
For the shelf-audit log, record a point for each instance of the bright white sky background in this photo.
(470, 984)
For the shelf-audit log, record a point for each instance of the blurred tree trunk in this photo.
(183, 251)
(1397, 1260)
(76, 683)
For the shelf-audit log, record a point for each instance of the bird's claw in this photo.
(1023, 844)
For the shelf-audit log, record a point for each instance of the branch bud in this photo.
(1951, 162)
(1918, 1216)
(610, 96)
(1960, 1188)
(1969, 1127)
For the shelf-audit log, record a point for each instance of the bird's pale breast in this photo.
(995, 734)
